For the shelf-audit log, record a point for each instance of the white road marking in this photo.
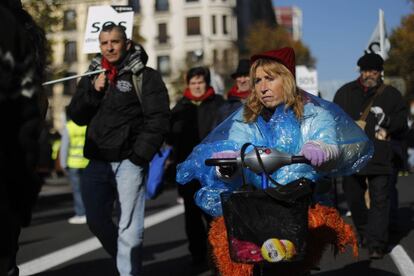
(403, 262)
(71, 252)
(401, 259)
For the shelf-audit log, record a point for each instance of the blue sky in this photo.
(337, 31)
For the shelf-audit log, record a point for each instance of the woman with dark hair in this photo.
(192, 120)
(280, 116)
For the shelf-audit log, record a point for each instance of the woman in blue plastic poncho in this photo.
(277, 115)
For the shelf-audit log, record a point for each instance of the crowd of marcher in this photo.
(118, 120)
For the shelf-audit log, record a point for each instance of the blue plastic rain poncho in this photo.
(322, 121)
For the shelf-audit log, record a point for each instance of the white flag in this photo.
(379, 42)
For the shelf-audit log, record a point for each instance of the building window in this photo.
(213, 24)
(135, 5)
(226, 53)
(69, 20)
(195, 56)
(193, 26)
(70, 52)
(164, 65)
(162, 33)
(69, 86)
(161, 5)
(225, 31)
(215, 56)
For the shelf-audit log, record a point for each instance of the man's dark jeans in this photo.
(98, 194)
(372, 223)
(101, 183)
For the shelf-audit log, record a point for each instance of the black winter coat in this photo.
(353, 100)
(230, 106)
(22, 108)
(118, 126)
(192, 123)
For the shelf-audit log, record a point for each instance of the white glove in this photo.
(379, 115)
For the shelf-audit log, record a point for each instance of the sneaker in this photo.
(77, 220)
(348, 214)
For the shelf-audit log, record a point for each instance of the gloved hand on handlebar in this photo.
(226, 172)
(318, 152)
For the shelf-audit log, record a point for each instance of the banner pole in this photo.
(74, 77)
(381, 31)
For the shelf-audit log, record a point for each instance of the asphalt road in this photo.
(51, 246)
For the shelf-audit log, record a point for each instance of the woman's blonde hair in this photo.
(291, 94)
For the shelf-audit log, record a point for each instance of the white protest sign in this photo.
(99, 16)
(307, 79)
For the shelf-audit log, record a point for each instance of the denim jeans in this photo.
(410, 157)
(75, 180)
(102, 182)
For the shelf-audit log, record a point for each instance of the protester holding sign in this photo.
(127, 113)
(380, 110)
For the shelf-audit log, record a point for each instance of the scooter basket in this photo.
(263, 229)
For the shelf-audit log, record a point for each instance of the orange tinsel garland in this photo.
(325, 227)
(218, 240)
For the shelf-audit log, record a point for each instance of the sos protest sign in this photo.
(307, 79)
(99, 16)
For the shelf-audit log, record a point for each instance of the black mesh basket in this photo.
(263, 227)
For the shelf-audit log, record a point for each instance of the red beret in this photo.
(285, 56)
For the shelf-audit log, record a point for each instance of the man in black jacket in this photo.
(192, 120)
(127, 113)
(386, 118)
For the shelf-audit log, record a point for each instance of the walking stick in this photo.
(74, 77)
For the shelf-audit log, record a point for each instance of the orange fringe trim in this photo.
(326, 227)
(218, 240)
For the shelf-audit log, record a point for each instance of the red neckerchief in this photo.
(234, 92)
(111, 71)
(209, 93)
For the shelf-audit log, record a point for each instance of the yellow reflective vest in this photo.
(76, 135)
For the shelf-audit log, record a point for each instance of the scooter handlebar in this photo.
(235, 161)
(300, 159)
(221, 161)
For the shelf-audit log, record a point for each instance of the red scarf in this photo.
(209, 93)
(234, 92)
(111, 71)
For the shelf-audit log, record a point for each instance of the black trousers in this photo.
(393, 179)
(372, 223)
(197, 222)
